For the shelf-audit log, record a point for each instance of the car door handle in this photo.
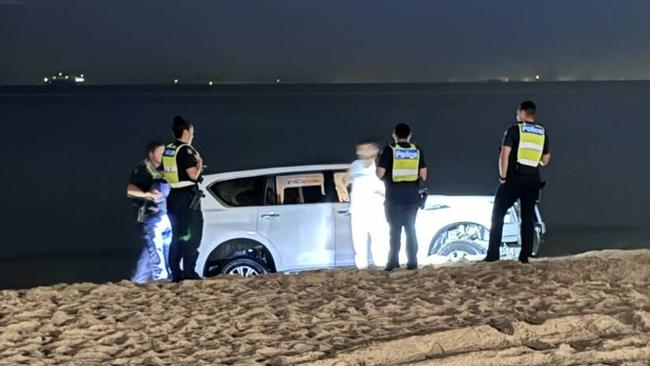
(270, 215)
(343, 212)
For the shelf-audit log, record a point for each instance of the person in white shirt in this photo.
(369, 225)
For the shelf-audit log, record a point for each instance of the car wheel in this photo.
(244, 267)
(460, 232)
(458, 250)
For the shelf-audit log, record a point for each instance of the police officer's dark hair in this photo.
(528, 107)
(153, 145)
(402, 131)
(180, 124)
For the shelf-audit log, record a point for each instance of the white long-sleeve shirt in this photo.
(367, 189)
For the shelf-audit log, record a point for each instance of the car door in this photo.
(298, 219)
(342, 223)
(230, 210)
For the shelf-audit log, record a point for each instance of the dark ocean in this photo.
(67, 155)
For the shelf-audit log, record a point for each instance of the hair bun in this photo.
(179, 120)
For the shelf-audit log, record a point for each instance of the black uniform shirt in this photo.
(185, 159)
(399, 192)
(511, 138)
(141, 178)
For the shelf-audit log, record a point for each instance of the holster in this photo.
(542, 185)
(423, 194)
(141, 212)
(195, 203)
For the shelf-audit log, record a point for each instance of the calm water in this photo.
(68, 153)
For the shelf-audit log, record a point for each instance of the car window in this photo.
(270, 198)
(341, 182)
(240, 192)
(300, 188)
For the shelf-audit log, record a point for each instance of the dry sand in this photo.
(591, 309)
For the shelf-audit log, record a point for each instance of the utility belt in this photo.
(145, 211)
(197, 194)
(524, 170)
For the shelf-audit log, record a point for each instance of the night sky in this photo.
(151, 41)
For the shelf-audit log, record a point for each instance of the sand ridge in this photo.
(590, 309)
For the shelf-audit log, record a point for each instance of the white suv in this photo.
(297, 218)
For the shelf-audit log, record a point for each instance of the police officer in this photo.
(402, 168)
(149, 190)
(182, 169)
(524, 149)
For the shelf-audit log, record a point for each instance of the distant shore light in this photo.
(45, 80)
(277, 80)
(537, 77)
(175, 81)
(210, 83)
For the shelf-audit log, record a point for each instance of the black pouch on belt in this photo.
(197, 194)
(423, 193)
(141, 212)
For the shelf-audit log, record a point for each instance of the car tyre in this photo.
(244, 267)
(460, 247)
(442, 239)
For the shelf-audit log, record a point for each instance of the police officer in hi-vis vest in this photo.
(149, 192)
(524, 149)
(182, 166)
(402, 168)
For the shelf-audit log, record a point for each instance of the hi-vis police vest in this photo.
(406, 163)
(170, 166)
(531, 144)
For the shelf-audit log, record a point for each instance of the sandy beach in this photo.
(590, 309)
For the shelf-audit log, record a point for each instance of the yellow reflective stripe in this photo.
(183, 184)
(531, 146)
(531, 163)
(404, 172)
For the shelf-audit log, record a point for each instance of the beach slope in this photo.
(590, 309)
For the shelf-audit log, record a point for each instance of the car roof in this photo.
(272, 171)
